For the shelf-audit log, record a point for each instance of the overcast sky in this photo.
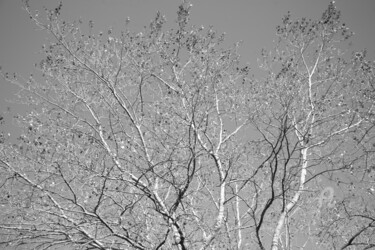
(252, 21)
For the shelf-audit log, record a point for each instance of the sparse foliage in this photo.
(162, 140)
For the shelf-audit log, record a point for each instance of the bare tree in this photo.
(161, 140)
(129, 144)
(309, 107)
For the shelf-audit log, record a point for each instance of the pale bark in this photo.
(291, 204)
(238, 219)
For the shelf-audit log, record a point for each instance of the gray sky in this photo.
(252, 21)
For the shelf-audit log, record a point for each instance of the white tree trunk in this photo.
(291, 204)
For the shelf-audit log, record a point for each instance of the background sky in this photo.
(252, 21)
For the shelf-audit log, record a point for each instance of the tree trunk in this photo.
(291, 204)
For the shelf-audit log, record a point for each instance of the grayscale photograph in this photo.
(187, 124)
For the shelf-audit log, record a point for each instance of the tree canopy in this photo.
(164, 139)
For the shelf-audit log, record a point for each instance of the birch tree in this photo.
(128, 144)
(161, 139)
(314, 100)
